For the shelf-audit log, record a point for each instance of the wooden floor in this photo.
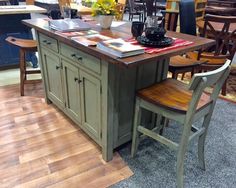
(40, 147)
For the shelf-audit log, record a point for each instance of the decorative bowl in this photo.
(155, 33)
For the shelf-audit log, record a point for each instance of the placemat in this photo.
(177, 44)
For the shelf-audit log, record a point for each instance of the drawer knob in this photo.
(77, 57)
(46, 42)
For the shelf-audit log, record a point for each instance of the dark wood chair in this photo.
(225, 47)
(181, 64)
(183, 103)
(135, 10)
(25, 46)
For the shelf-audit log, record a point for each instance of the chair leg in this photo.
(201, 141)
(183, 75)
(174, 75)
(22, 71)
(183, 145)
(135, 138)
(180, 168)
(223, 91)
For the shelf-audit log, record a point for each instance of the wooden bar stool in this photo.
(187, 17)
(183, 103)
(25, 45)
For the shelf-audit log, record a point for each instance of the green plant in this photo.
(104, 7)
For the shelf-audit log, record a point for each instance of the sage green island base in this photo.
(97, 95)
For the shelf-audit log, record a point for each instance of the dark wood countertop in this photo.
(123, 31)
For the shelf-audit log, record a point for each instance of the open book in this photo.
(119, 47)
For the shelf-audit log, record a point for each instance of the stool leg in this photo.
(22, 71)
(201, 140)
(223, 91)
(174, 75)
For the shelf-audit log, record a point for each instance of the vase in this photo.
(105, 21)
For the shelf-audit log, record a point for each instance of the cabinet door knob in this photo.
(79, 58)
(77, 80)
(57, 67)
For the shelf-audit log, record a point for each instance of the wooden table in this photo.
(10, 19)
(97, 90)
(82, 10)
(20, 9)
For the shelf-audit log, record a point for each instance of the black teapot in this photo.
(155, 33)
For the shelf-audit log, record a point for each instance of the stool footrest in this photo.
(158, 137)
(32, 81)
(32, 71)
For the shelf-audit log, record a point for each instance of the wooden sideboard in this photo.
(95, 89)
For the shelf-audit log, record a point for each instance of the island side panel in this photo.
(122, 86)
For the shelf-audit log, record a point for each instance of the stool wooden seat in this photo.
(187, 18)
(179, 64)
(186, 104)
(25, 45)
(173, 95)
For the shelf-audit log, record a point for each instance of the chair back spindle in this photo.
(225, 39)
(213, 79)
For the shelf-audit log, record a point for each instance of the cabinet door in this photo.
(53, 73)
(91, 104)
(72, 91)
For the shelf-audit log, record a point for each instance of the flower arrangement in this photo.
(104, 7)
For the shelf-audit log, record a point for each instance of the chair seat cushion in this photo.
(171, 94)
(210, 61)
(182, 62)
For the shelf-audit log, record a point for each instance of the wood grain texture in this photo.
(123, 31)
(39, 146)
(171, 94)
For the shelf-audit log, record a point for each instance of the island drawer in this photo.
(48, 42)
(80, 57)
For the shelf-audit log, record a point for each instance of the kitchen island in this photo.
(95, 89)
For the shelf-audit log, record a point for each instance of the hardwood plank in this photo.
(55, 145)
(40, 147)
(62, 174)
(82, 179)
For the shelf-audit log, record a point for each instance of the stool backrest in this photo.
(187, 17)
(218, 28)
(200, 9)
(200, 82)
(215, 79)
